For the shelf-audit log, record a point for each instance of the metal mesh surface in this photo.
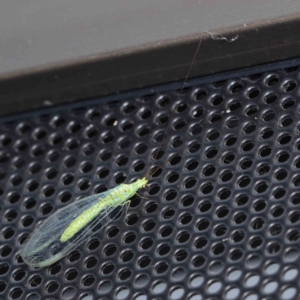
(221, 218)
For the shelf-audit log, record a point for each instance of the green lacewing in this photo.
(71, 225)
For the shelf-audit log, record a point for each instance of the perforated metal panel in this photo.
(221, 218)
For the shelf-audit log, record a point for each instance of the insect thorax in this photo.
(124, 191)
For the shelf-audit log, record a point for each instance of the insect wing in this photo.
(43, 247)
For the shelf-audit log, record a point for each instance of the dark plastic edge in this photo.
(220, 51)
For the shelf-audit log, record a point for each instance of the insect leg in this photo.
(127, 203)
(142, 196)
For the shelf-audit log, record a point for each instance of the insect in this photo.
(70, 226)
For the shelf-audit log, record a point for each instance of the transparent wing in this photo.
(43, 247)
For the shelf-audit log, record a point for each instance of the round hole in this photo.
(270, 287)
(257, 224)
(261, 187)
(197, 112)
(16, 180)
(239, 218)
(284, 139)
(163, 101)
(204, 206)
(74, 256)
(181, 255)
(203, 224)
(64, 197)
(253, 93)
(88, 149)
(236, 87)
(48, 191)
(209, 170)
(161, 268)
(288, 293)
(226, 176)
(106, 137)
(215, 117)
(146, 243)
(166, 231)
(10, 215)
(16, 293)
(247, 146)
(163, 249)
(286, 121)
(268, 115)
(158, 287)
(198, 261)
(217, 100)
(200, 94)
(228, 158)
(234, 105)
(275, 229)
(183, 237)
(266, 133)
(263, 169)
(270, 98)
(289, 86)
(251, 110)
(124, 274)
(67, 179)
(195, 129)
(107, 268)
(46, 209)
(176, 293)
(149, 225)
(129, 237)
(265, 151)
(5, 251)
(245, 163)
(53, 156)
(8, 233)
(272, 80)
(255, 242)
(194, 147)
(55, 269)
(200, 243)
(144, 261)
(252, 280)
(241, 200)
(222, 212)
(237, 236)
(52, 286)
(230, 140)
(207, 188)
(282, 157)
(51, 173)
(102, 173)
(243, 181)
(112, 231)
(235, 254)
(214, 286)
(259, 205)
(220, 230)
(127, 256)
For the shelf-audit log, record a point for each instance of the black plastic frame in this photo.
(223, 50)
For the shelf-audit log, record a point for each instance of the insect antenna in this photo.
(147, 176)
(160, 166)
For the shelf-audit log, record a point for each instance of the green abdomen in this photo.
(117, 196)
(83, 219)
